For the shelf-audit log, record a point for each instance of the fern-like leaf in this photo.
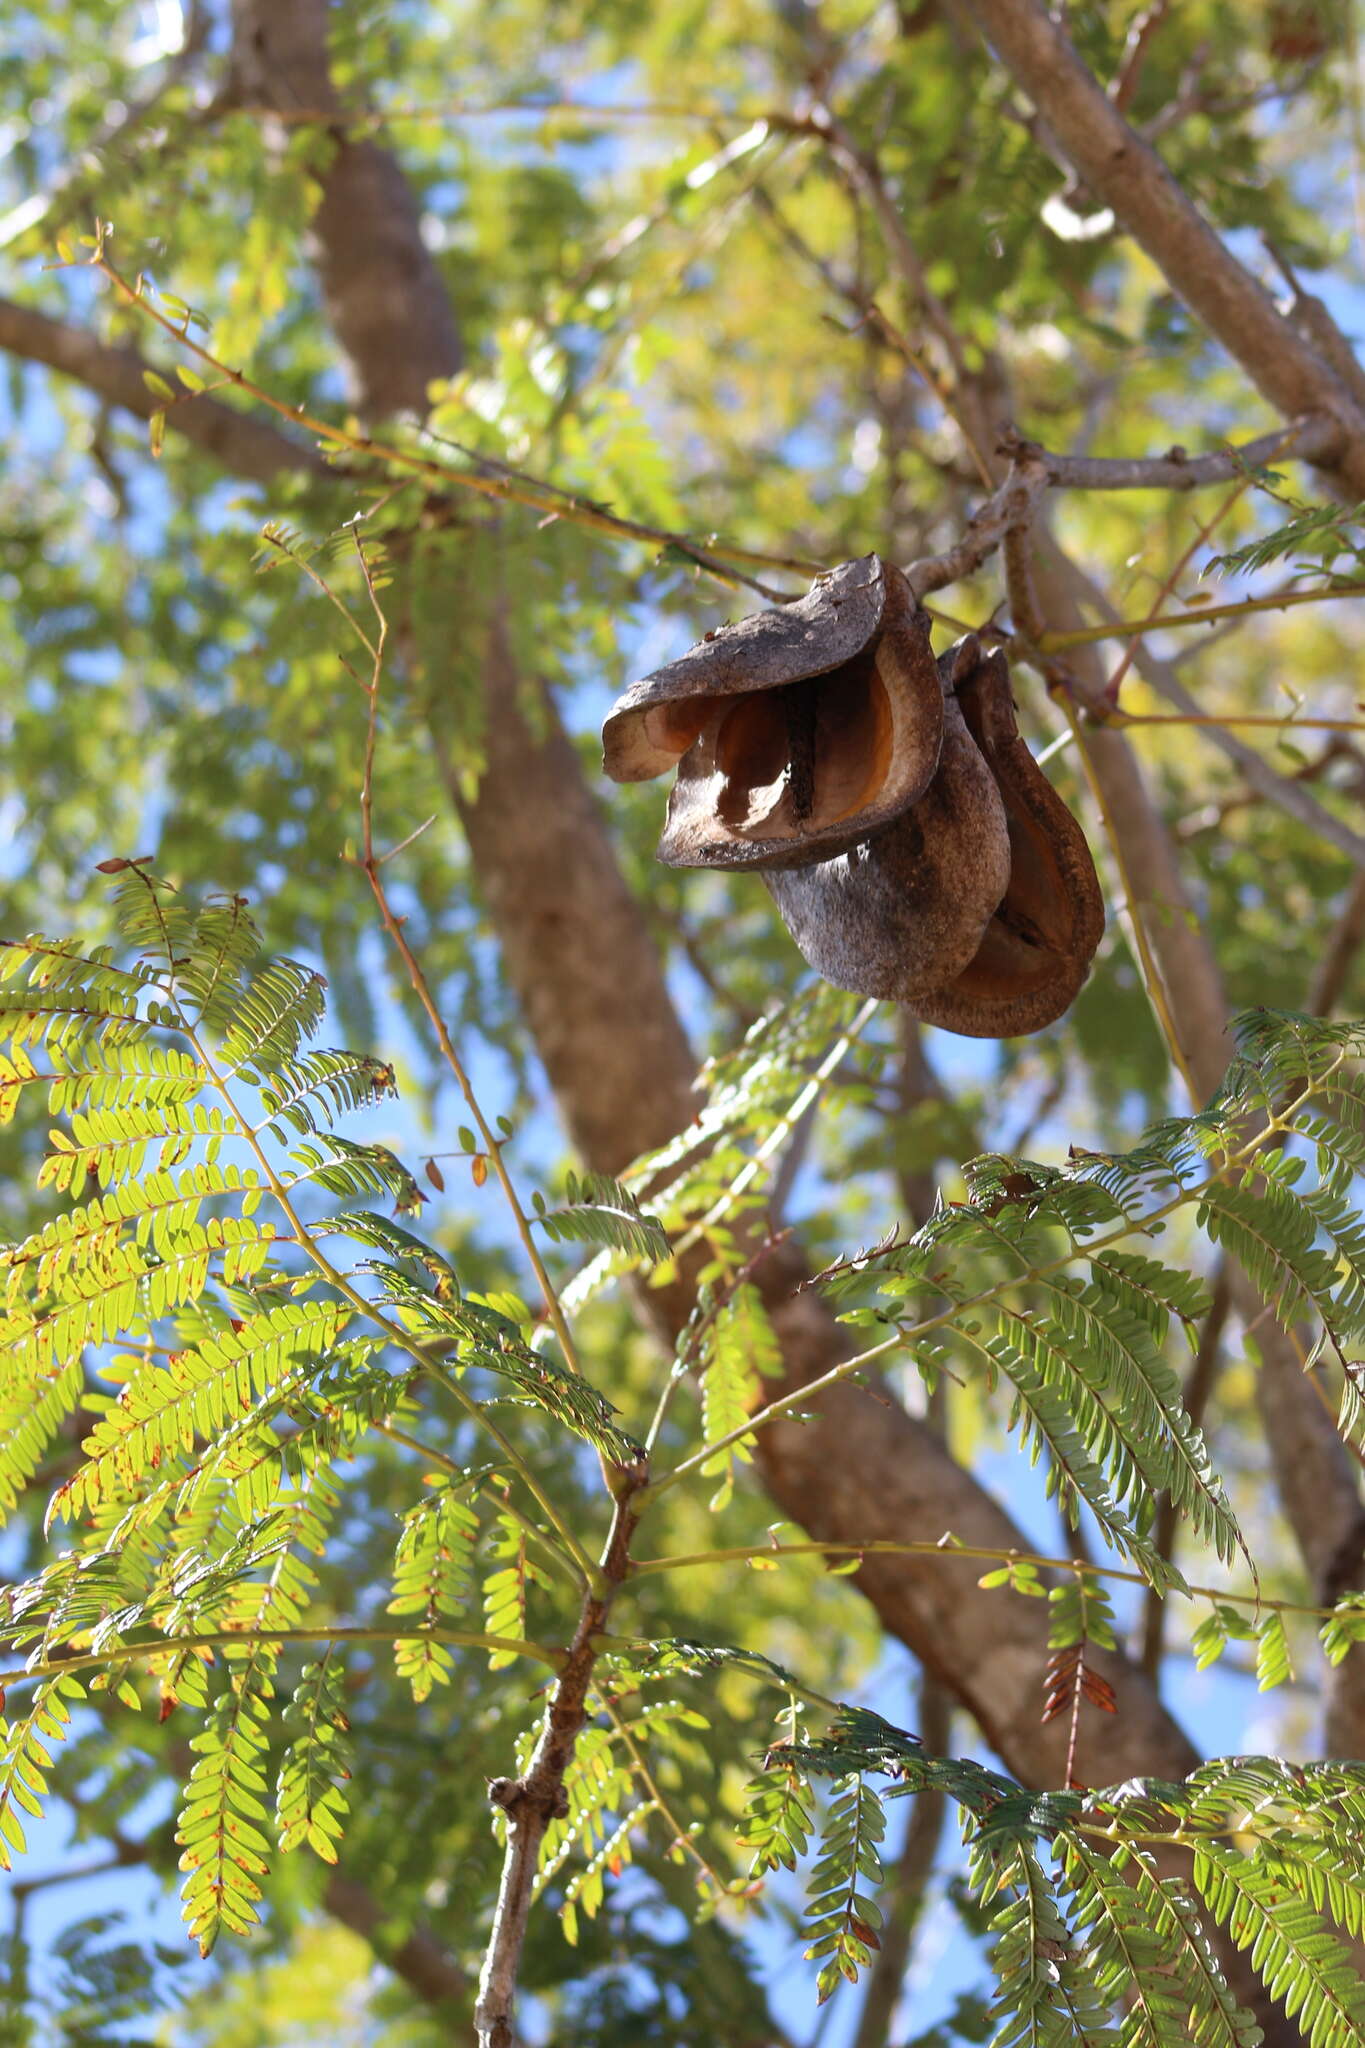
(433, 1575)
(1302, 1965)
(602, 1211)
(310, 1798)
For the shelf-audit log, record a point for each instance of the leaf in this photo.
(310, 1799)
(1302, 1966)
(224, 1847)
(433, 1577)
(599, 1210)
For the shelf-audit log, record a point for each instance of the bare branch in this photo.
(1126, 174)
(1007, 510)
(531, 1802)
(1124, 85)
(1309, 439)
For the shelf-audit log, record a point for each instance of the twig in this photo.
(355, 121)
(716, 557)
(531, 1802)
(866, 174)
(948, 1546)
(1286, 792)
(1123, 87)
(60, 1660)
(1005, 510)
(1281, 600)
(682, 1836)
(1203, 531)
(1304, 440)
(1268, 721)
(903, 1895)
(781, 1130)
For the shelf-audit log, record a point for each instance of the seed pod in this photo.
(902, 913)
(1036, 950)
(796, 732)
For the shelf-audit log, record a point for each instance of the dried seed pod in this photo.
(1037, 948)
(795, 732)
(900, 914)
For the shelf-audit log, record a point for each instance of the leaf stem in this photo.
(509, 487)
(231, 1638)
(393, 925)
(949, 1547)
(1121, 629)
(554, 1555)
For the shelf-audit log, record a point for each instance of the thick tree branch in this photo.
(246, 446)
(1127, 175)
(385, 297)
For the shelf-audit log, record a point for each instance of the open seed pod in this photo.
(796, 732)
(1036, 949)
(904, 912)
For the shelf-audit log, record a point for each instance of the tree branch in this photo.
(1127, 175)
(1339, 957)
(385, 298)
(246, 446)
(532, 1801)
(1309, 439)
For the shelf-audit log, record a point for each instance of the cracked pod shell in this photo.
(1036, 950)
(902, 913)
(795, 732)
